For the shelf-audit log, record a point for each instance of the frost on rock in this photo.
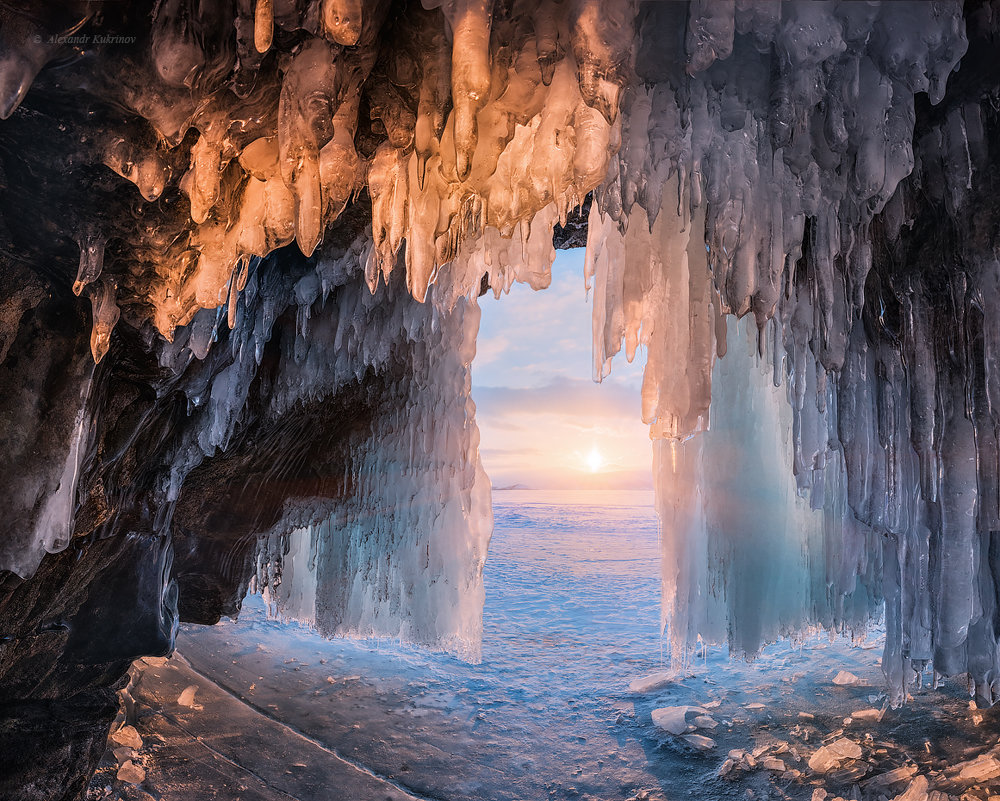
(323, 189)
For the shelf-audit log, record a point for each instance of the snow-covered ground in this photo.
(258, 709)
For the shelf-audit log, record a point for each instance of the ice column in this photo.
(401, 554)
(743, 553)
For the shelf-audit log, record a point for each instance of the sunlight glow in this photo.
(540, 416)
(594, 460)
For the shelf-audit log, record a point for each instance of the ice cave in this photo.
(246, 247)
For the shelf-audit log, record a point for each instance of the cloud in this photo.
(489, 349)
(517, 452)
(539, 414)
(525, 337)
(572, 398)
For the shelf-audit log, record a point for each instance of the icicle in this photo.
(387, 184)
(435, 92)
(342, 20)
(470, 74)
(338, 166)
(234, 291)
(710, 33)
(547, 44)
(263, 25)
(305, 124)
(143, 168)
(176, 46)
(602, 47)
(202, 180)
(25, 47)
(105, 315)
(91, 260)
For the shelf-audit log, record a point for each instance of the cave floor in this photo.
(222, 747)
(262, 724)
(261, 709)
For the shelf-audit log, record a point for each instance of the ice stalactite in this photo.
(401, 555)
(47, 426)
(57, 501)
(374, 525)
(746, 557)
(784, 174)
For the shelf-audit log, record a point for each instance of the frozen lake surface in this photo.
(571, 618)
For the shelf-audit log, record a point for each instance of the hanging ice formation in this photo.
(745, 157)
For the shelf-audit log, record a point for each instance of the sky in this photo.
(544, 423)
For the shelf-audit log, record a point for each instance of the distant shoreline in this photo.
(522, 488)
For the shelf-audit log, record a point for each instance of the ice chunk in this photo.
(699, 741)
(917, 791)
(123, 755)
(652, 682)
(674, 718)
(186, 698)
(981, 769)
(894, 776)
(131, 773)
(845, 678)
(830, 756)
(127, 736)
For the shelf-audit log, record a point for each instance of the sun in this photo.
(594, 460)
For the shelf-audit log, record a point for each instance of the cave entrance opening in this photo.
(572, 696)
(572, 579)
(544, 424)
